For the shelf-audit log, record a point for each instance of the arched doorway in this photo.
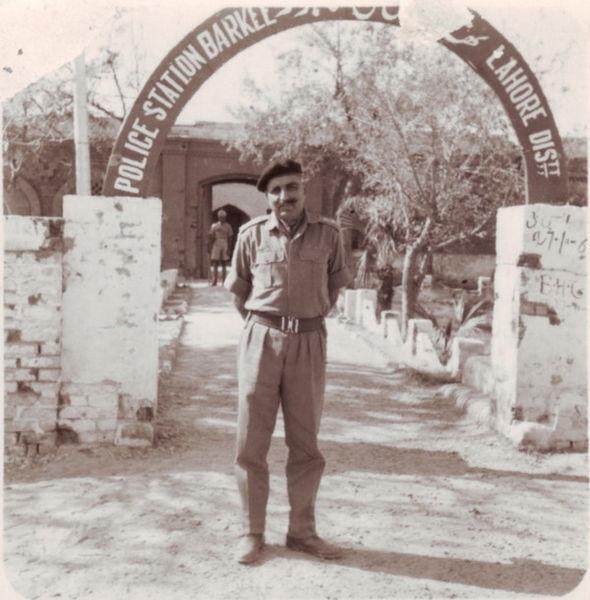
(235, 217)
(237, 195)
(22, 199)
(209, 46)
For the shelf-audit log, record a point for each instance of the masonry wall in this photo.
(462, 269)
(81, 301)
(32, 327)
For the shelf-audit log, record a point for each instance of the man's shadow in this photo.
(521, 576)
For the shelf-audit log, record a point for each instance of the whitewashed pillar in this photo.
(111, 267)
(539, 347)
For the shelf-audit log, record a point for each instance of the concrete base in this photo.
(137, 435)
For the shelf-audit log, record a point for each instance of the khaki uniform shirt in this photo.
(221, 230)
(288, 276)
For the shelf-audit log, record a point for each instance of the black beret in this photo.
(274, 169)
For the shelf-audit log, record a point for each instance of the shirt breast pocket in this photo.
(270, 269)
(314, 260)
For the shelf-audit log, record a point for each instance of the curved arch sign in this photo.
(205, 49)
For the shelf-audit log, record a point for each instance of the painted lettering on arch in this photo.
(206, 48)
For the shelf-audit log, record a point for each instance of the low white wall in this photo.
(462, 267)
(418, 350)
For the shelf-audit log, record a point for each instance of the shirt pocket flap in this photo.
(267, 256)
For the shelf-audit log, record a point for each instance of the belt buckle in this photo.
(290, 324)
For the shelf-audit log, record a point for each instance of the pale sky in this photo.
(536, 28)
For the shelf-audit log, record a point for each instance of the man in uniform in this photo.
(220, 236)
(287, 269)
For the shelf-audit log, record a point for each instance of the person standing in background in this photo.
(219, 243)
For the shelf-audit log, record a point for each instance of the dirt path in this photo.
(428, 504)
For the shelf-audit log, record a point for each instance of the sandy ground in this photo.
(428, 504)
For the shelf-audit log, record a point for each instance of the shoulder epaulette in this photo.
(254, 221)
(328, 221)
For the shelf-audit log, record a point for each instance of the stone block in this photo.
(369, 319)
(37, 333)
(19, 375)
(350, 298)
(425, 357)
(10, 283)
(70, 413)
(477, 373)
(416, 326)
(88, 437)
(77, 400)
(10, 387)
(105, 403)
(19, 424)
(103, 425)
(134, 434)
(50, 348)
(23, 233)
(364, 296)
(12, 298)
(87, 388)
(45, 388)
(19, 350)
(461, 350)
(390, 320)
(10, 363)
(78, 425)
(9, 411)
(106, 437)
(43, 314)
(21, 399)
(485, 287)
(49, 362)
(12, 312)
(47, 418)
(168, 279)
(49, 374)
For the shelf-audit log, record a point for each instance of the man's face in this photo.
(286, 197)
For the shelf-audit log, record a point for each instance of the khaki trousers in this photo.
(287, 369)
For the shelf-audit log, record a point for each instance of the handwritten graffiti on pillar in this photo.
(556, 234)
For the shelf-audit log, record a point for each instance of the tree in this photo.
(421, 147)
(40, 117)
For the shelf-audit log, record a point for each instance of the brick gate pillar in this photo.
(539, 347)
(111, 280)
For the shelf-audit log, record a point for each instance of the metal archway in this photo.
(206, 48)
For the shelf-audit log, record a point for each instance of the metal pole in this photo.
(81, 128)
(2, 157)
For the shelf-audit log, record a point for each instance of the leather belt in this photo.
(287, 324)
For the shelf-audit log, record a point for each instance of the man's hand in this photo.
(239, 304)
(333, 297)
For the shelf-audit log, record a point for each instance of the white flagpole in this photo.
(81, 128)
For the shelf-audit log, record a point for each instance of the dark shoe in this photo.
(249, 548)
(316, 546)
